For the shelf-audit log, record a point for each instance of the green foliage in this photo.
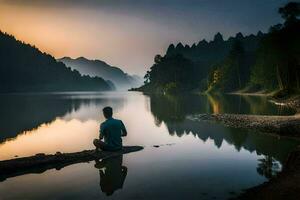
(24, 68)
(263, 73)
(278, 58)
(172, 74)
(233, 72)
(290, 11)
(171, 88)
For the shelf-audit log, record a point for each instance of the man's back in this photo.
(112, 130)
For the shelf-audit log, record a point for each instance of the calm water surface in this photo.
(195, 160)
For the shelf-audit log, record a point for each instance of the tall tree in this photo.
(278, 61)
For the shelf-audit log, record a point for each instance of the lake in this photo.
(194, 160)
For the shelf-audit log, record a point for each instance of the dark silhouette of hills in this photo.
(104, 70)
(250, 63)
(24, 68)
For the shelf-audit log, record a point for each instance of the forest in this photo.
(24, 68)
(263, 62)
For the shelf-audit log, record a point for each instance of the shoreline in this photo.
(277, 125)
(292, 101)
(286, 185)
(261, 93)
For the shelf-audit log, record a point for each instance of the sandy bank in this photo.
(280, 125)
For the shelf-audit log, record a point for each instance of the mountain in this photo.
(102, 69)
(24, 68)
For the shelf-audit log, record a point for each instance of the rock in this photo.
(42, 162)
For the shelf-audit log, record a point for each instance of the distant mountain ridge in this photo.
(100, 68)
(24, 68)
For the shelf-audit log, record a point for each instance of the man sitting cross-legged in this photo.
(112, 131)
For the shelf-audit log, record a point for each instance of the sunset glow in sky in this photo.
(129, 33)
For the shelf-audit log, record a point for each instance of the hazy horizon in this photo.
(129, 33)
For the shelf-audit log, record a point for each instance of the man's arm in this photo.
(124, 131)
(101, 132)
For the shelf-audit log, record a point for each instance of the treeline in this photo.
(24, 68)
(268, 61)
(278, 57)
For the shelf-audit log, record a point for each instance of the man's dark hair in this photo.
(107, 112)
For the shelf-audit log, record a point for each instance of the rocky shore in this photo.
(279, 125)
(293, 102)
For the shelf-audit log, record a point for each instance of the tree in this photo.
(236, 58)
(147, 77)
(218, 37)
(157, 59)
(231, 74)
(268, 167)
(278, 63)
(171, 74)
(290, 11)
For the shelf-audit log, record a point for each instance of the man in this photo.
(111, 131)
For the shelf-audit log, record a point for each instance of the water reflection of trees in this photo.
(169, 108)
(25, 112)
(173, 110)
(245, 105)
(268, 167)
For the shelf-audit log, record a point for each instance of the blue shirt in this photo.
(112, 131)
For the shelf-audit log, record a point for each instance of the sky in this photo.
(129, 33)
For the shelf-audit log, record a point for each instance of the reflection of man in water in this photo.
(112, 131)
(112, 174)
